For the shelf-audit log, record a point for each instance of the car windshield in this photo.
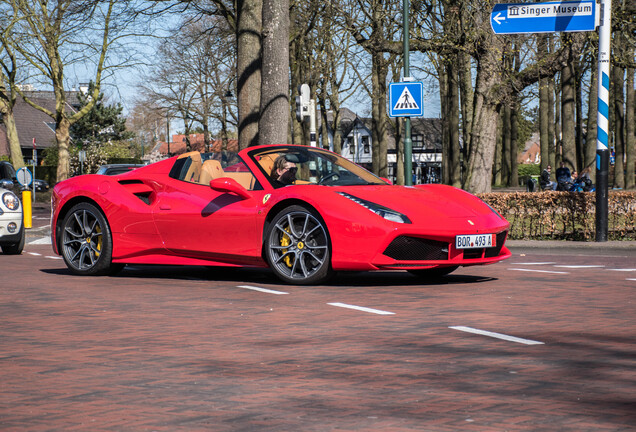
(309, 165)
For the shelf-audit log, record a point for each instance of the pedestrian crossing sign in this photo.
(405, 99)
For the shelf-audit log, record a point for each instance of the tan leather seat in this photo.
(267, 162)
(211, 170)
(194, 171)
(245, 179)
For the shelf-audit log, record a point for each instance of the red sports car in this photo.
(303, 211)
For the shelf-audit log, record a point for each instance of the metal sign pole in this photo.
(602, 150)
(408, 144)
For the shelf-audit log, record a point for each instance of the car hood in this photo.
(423, 202)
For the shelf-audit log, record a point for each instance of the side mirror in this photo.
(226, 184)
(387, 180)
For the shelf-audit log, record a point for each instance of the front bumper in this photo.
(7, 218)
(408, 246)
(409, 252)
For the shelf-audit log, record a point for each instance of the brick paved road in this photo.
(188, 349)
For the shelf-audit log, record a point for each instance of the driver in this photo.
(283, 172)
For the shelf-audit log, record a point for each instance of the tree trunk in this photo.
(496, 173)
(514, 143)
(544, 101)
(514, 123)
(274, 118)
(295, 66)
(380, 71)
(444, 109)
(13, 139)
(568, 117)
(248, 70)
(485, 117)
(505, 146)
(630, 122)
(558, 132)
(466, 97)
(552, 123)
(453, 122)
(578, 138)
(337, 136)
(484, 138)
(619, 113)
(62, 137)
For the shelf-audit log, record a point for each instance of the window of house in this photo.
(418, 141)
(365, 144)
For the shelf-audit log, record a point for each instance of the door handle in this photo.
(165, 207)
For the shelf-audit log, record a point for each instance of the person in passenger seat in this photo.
(283, 172)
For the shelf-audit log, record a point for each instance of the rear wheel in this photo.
(297, 247)
(87, 243)
(433, 273)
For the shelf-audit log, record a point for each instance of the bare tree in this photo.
(274, 113)
(8, 85)
(52, 35)
(373, 25)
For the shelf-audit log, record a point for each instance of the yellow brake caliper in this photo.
(99, 242)
(286, 241)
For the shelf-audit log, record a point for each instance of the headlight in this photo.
(11, 201)
(386, 213)
(492, 209)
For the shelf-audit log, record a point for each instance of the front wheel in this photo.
(15, 248)
(87, 243)
(297, 247)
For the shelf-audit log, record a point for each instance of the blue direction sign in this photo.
(548, 17)
(405, 99)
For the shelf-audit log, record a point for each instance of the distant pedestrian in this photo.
(544, 180)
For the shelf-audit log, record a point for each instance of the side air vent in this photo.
(138, 188)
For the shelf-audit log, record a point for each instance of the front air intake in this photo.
(405, 248)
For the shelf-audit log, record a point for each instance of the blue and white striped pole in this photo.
(602, 121)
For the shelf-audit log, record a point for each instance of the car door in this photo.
(198, 222)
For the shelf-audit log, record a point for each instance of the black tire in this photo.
(433, 273)
(87, 243)
(15, 248)
(297, 247)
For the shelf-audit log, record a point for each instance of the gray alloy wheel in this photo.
(297, 247)
(86, 242)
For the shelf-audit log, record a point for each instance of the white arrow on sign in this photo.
(498, 19)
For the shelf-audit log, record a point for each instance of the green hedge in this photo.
(564, 215)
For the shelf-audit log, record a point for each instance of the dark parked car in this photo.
(8, 179)
(114, 169)
(41, 185)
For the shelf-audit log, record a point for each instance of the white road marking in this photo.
(41, 241)
(538, 271)
(361, 308)
(579, 266)
(34, 254)
(536, 263)
(622, 270)
(630, 279)
(53, 257)
(264, 290)
(497, 335)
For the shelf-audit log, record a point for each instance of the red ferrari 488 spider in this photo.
(303, 211)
